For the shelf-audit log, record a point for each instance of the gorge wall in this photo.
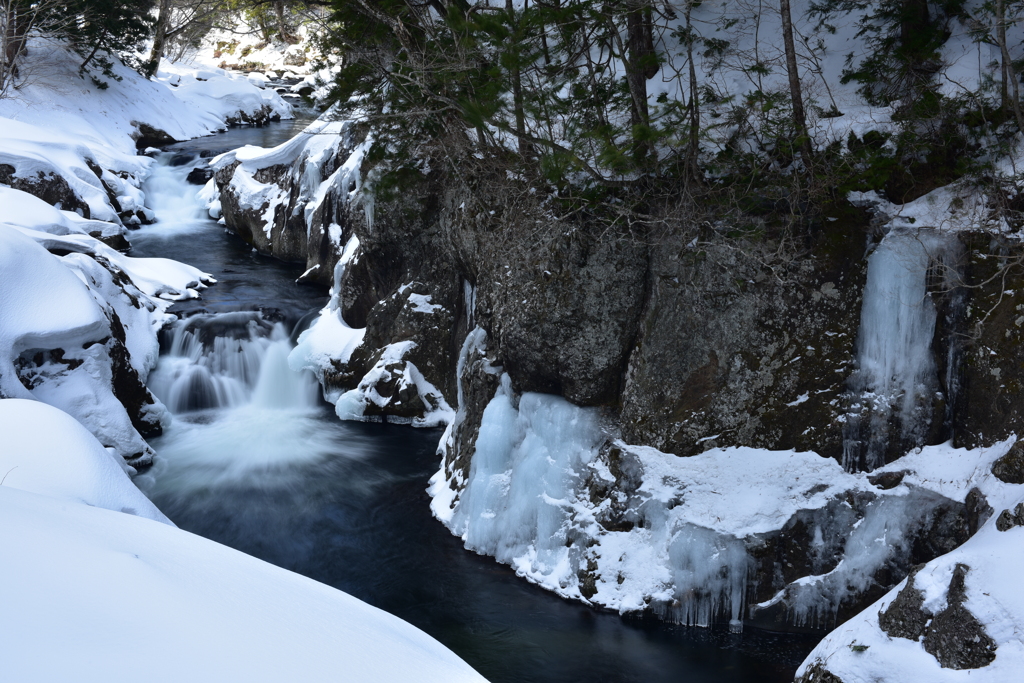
(464, 290)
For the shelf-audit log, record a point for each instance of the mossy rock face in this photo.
(989, 408)
(737, 348)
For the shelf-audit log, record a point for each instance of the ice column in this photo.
(896, 373)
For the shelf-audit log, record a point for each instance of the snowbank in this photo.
(229, 97)
(83, 576)
(55, 98)
(48, 452)
(79, 331)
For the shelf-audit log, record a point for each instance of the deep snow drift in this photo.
(196, 610)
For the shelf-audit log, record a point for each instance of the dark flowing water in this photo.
(345, 503)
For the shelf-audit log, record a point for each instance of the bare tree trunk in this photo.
(517, 83)
(795, 94)
(693, 153)
(1004, 98)
(159, 38)
(282, 26)
(17, 22)
(1011, 74)
(640, 46)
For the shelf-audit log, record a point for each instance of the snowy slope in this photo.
(124, 598)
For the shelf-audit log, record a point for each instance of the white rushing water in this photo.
(239, 413)
(896, 371)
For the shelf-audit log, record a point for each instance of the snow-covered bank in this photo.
(195, 610)
(78, 330)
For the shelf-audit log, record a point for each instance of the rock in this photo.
(200, 175)
(978, 510)
(905, 616)
(955, 637)
(1007, 520)
(887, 480)
(148, 136)
(1010, 467)
(817, 673)
(294, 57)
(50, 187)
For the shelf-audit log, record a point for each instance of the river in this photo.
(254, 459)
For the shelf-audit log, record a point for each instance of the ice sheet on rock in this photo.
(518, 501)
(46, 451)
(896, 373)
(631, 528)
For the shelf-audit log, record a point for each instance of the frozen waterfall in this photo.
(896, 380)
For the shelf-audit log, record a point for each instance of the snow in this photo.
(329, 338)
(993, 597)
(84, 577)
(55, 99)
(46, 451)
(48, 311)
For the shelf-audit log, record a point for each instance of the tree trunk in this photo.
(640, 47)
(1011, 74)
(693, 153)
(1004, 61)
(15, 33)
(517, 84)
(795, 94)
(282, 27)
(159, 38)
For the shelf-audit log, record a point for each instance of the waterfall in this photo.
(896, 379)
(228, 360)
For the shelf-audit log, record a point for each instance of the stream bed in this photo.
(254, 459)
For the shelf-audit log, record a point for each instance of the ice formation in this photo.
(695, 539)
(896, 373)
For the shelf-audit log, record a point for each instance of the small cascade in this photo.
(893, 391)
(172, 197)
(228, 360)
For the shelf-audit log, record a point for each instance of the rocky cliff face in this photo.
(683, 340)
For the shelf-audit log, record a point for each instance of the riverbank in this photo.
(90, 563)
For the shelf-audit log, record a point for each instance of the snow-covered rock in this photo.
(292, 201)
